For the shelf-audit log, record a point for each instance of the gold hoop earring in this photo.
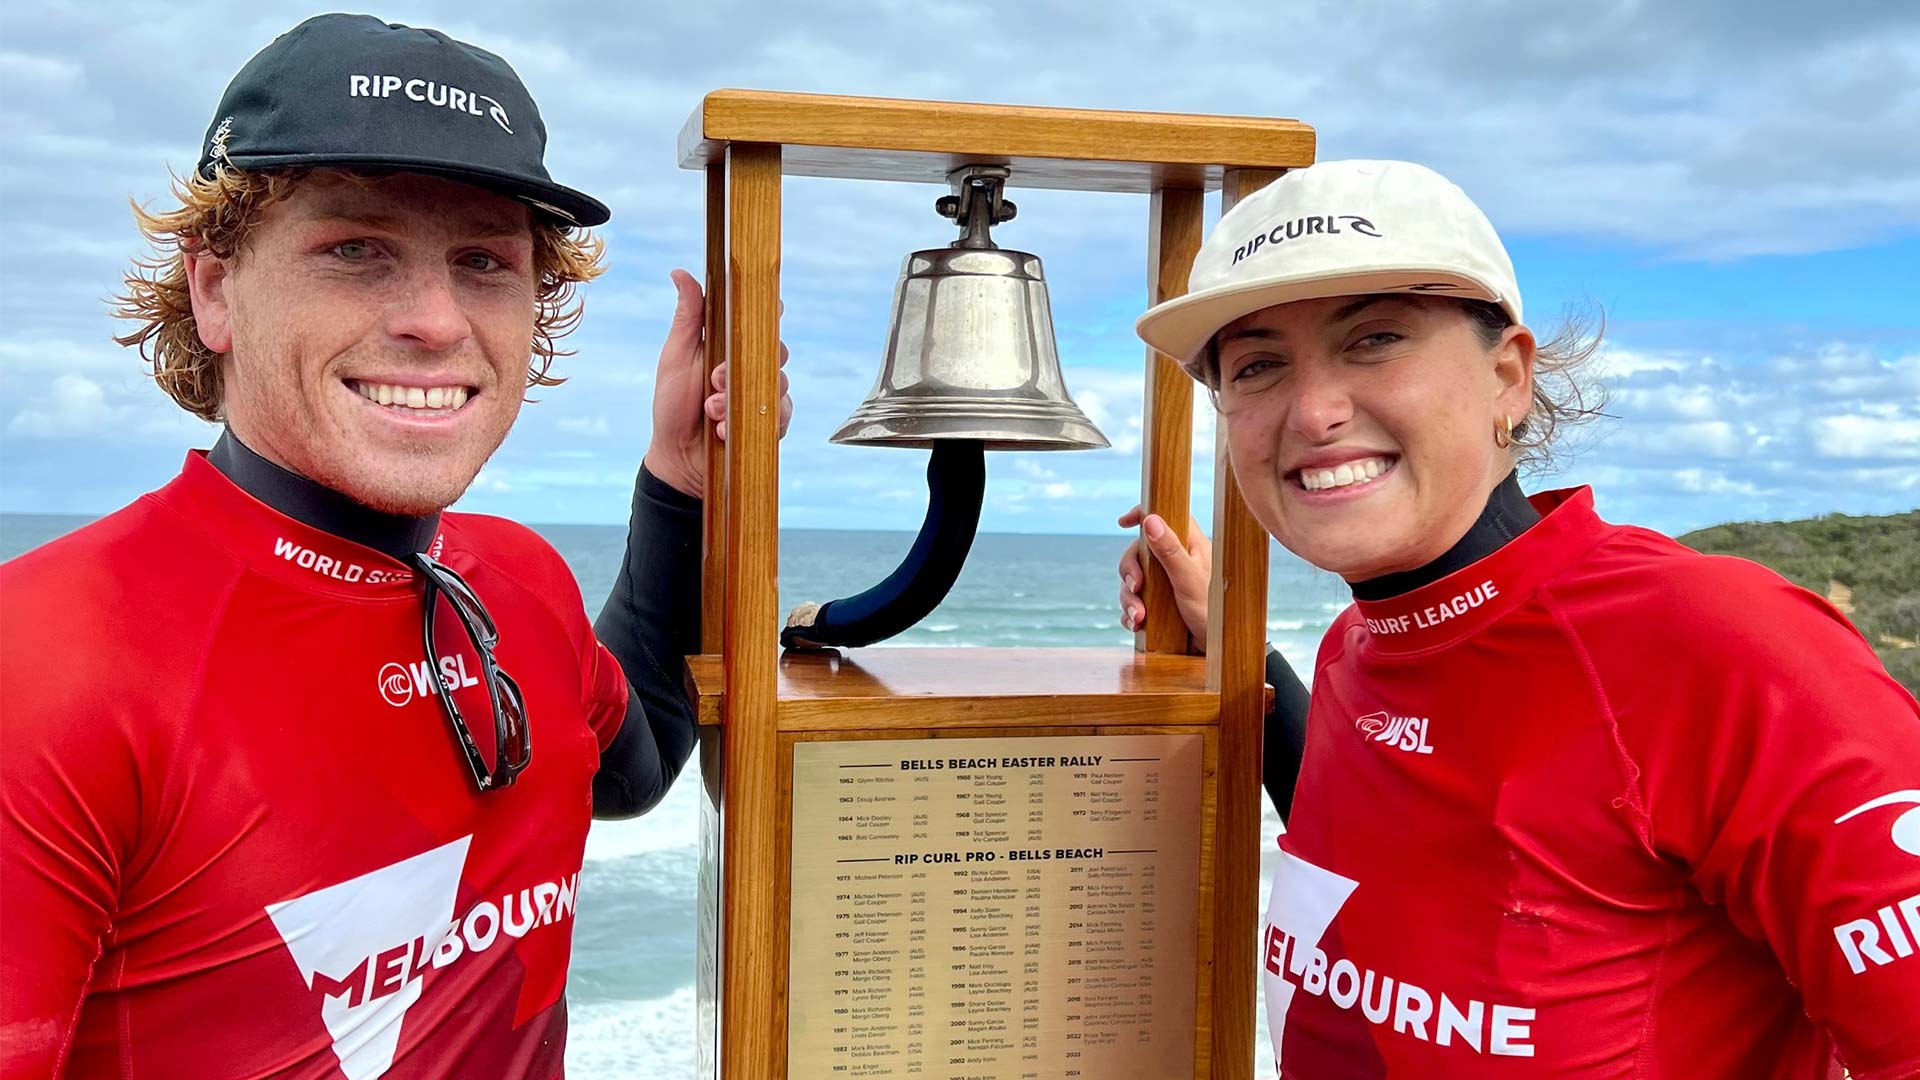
(1504, 439)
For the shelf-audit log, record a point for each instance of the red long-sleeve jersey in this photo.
(237, 837)
(1600, 806)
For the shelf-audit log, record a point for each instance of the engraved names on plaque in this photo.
(995, 908)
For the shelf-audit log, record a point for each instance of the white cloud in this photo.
(1685, 128)
(1867, 436)
(40, 355)
(490, 480)
(1892, 478)
(1699, 439)
(72, 407)
(1686, 438)
(19, 70)
(583, 425)
(1618, 363)
(1704, 482)
(1683, 403)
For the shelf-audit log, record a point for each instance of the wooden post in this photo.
(1236, 666)
(751, 963)
(713, 630)
(1166, 451)
(713, 543)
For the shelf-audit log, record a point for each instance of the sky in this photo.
(1735, 186)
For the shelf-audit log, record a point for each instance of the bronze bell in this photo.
(971, 354)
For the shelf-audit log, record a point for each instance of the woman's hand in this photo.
(1189, 567)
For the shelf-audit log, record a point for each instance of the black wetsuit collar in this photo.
(321, 507)
(1507, 515)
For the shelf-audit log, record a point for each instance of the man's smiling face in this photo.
(376, 333)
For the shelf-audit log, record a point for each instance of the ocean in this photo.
(631, 991)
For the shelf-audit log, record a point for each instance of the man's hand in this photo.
(1189, 567)
(684, 399)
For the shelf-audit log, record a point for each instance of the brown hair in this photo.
(215, 216)
(1565, 391)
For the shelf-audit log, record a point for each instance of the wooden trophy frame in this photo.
(755, 704)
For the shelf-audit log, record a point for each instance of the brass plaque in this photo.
(995, 909)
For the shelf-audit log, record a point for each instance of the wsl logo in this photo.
(401, 683)
(1407, 733)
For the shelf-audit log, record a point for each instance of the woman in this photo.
(1575, 801)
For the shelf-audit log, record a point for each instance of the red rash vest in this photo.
(1599, 806)
(233, 809)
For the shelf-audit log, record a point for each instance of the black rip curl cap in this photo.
(350, 90)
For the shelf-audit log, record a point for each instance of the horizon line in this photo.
(537, 525)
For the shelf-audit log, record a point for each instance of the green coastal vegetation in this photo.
(1869, 567)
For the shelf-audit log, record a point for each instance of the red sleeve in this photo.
(69, 813)
(1781, 764)
(103, 636)
(603, 690)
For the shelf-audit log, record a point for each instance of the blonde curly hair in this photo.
(215, 216)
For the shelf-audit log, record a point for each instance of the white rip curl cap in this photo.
(1338, 228)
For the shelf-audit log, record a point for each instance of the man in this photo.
(299, 768)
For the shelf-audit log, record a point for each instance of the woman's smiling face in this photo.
(1361, 428)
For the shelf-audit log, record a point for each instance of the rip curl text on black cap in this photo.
(352, 91)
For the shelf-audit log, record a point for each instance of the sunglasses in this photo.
(512, 742)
